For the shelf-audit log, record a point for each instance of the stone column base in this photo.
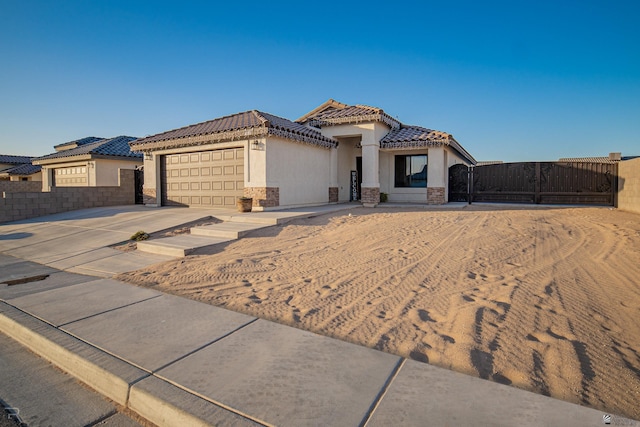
(370, 196)
(263, 197)
(333, 194)
(435, 196)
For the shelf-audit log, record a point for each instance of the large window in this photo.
(411, 171)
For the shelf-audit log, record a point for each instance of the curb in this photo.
(150, 397)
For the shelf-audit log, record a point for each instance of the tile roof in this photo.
(588, 160)
(416, 136)
(116, 147)
(334, 113)
(78, 142)
(14, 160)
(248, 124)
(24, 169)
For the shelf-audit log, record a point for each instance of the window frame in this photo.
(402, 178)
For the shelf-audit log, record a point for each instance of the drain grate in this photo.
(26, 280)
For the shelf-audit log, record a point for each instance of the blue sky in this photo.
(511, 80)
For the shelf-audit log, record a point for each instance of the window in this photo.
(411, 171)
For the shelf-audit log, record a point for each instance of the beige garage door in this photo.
(70, 177)
(205, 178)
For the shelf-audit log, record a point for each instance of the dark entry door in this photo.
(359, 173)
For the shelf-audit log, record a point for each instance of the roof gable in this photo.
(331, 104)
(336, 113)
(77, 143)
(245, 125)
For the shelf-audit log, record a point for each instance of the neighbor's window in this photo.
(411, 171)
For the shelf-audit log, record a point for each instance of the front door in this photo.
(356, 180)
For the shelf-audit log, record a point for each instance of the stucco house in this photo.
(335, 153)
(18, 168)
(87, 162)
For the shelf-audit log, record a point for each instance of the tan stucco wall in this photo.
(629, 185)
(106, 171)
(33, 177)
(97, 172)
(300, 171)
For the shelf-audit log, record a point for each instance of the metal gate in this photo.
(138, 176)
(536, 182)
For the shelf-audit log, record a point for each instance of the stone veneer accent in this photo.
(333, 194)
(149, 196)
(370, 196)
(435, 196)
(15, 206)
(264, 197)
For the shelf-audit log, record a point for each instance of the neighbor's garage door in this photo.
(205, 178)
(70, 177)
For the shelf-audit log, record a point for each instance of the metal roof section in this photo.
(14, 160)
(21, 170)
(113, 147)
(77, 143)
(240, 126)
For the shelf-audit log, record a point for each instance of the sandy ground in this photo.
(547, 300)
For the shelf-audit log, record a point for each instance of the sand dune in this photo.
(546, 300)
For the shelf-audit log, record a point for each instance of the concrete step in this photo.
(250, 218)
(179, 246)
(229, 230)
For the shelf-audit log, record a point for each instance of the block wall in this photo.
(629, 185)
(17, 205)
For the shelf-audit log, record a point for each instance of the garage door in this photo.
(70, 177)
(205, 178)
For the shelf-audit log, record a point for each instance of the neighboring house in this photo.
(613, 158)
(18, 168)
(335, 153)
(88, 162)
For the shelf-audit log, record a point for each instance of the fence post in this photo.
(470, 184)
(536, 197)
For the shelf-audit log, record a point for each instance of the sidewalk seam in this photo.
(102, 312)
(155, 371)
(383, 392)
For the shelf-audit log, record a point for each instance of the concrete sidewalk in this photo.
(180, 362)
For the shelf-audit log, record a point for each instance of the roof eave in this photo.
(63, 159)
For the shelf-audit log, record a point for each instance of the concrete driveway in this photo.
(78, 241)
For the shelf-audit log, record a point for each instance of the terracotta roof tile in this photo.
(588, 160)
(338, 113)
(415, 133)
(255, 122)
(416, 136)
